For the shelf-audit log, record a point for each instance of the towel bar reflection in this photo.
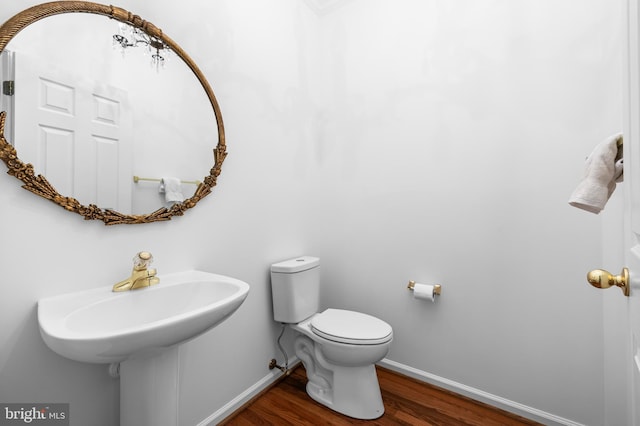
(437, 288)
(136, 179)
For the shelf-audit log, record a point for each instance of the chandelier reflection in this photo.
(128, 36)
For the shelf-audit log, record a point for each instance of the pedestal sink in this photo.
(141, 330)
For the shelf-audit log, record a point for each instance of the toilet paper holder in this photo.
(437, 288)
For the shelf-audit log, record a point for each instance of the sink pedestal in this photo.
(149, 389)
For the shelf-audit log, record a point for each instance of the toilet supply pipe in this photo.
(273, 363)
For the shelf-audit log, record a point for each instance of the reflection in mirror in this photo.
(104, 125)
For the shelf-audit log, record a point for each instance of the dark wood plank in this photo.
(407, 402)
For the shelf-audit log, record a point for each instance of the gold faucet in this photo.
(140, 276)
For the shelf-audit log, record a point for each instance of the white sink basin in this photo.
(101, 326)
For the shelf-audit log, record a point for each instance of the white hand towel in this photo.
(172, 188)
(601, 173)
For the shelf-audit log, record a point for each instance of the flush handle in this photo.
(602, 279)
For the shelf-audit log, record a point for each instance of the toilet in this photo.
(338, 348)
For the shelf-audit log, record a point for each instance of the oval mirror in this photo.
(109, 118)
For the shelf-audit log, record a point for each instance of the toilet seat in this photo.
(351, 327)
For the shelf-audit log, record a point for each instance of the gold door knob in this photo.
(602, 279)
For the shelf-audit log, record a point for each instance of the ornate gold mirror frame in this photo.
(38, 184)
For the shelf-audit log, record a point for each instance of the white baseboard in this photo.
(473, 393)
(246, 396)
(479, 395)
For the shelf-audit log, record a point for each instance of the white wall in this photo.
(237, 231)
(396, 140)
(457, 133)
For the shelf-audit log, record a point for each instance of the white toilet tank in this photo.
(295, 289)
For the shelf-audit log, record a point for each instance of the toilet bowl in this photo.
(341, 366)
(338, 348)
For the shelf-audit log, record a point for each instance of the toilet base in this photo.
(355, 393)
(350, 390)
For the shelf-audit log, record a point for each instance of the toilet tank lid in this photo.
(297, 264)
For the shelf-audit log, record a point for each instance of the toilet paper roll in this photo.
(424, 292)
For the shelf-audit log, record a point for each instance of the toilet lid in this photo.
(351, 327)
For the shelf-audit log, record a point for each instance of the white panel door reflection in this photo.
(75, 131)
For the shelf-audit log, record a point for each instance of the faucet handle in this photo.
(142, 259)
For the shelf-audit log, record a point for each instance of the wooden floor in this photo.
(407, 402)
